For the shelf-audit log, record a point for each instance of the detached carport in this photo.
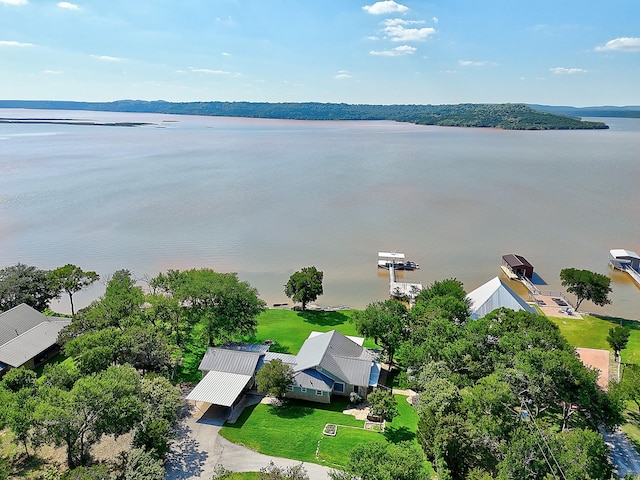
(220, 388)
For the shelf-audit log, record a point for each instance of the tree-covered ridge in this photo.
(508, 116)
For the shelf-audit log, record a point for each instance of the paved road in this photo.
(198, 449)
(624, 457)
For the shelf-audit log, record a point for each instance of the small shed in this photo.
(518, 265)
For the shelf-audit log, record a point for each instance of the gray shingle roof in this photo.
(25, 333)
(313, 380)
(230, 361)
(18, 320)
(338, 355)
(30, 344)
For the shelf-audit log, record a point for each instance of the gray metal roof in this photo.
(18, 320)
(285, 357)
(230, 361)
(313, 380)
(338, 355)
(219, 388)
(19, 350)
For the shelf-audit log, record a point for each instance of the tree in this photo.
(630, 384)
(275, 378)
(383, 461)
(25, 284)
(586, 285)
(100, 404)
(226, 306)
(275, 472)
(161, 402)
(618, 338)
(71, 279)
(142, 465)
(382, 404)
(304, 286)
(385, 322)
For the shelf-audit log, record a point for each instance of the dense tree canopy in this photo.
(385, 322)
(227, 306)
(22, 283)
(304, 286)
(586, 285)
(475, 379)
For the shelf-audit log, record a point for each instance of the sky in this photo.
(555, 52)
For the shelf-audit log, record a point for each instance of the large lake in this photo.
(266, 197)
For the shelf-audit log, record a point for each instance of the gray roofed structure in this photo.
(285, 357)
(26, 333)
(30, 344)
(18, 320)
(312, 379)
(338, 355)
(219, 388)
(230, 361)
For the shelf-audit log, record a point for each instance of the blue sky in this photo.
(559, 52)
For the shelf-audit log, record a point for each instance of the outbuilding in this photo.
(518, 265)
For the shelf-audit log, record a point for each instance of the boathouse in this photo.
(518, 265)
(621, 258)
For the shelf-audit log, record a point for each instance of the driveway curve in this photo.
(198, 448)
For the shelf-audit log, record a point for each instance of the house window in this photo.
(291, 388)
(303, 390)
(338, 387)
(319, 393)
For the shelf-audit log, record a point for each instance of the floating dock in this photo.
(626, 261)
(396, 261)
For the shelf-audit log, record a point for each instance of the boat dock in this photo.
(626, 261)
(393, 261)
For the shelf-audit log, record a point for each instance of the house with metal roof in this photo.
(27, 337)
(327, 364)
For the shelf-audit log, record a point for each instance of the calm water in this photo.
(266, 197)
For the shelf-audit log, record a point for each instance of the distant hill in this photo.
(605, 111)
(508, 116)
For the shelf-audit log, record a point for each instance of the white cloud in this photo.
(13, 43)
(52, 72)
(566, 71)
(384, 7)
(342, 75)
(68, 5)
(14, 2)
(107, 58)
(435, 19)
(396, 32)
(395, 52)
(226, 54)
(623, 44)
(209, 71)
(470, 63)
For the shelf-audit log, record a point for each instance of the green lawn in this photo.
(591, 332)
(294, 430)
(289, 329)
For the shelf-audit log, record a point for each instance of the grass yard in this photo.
(592, 331)
(294, 430)
(289, 329)
(290, 431)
